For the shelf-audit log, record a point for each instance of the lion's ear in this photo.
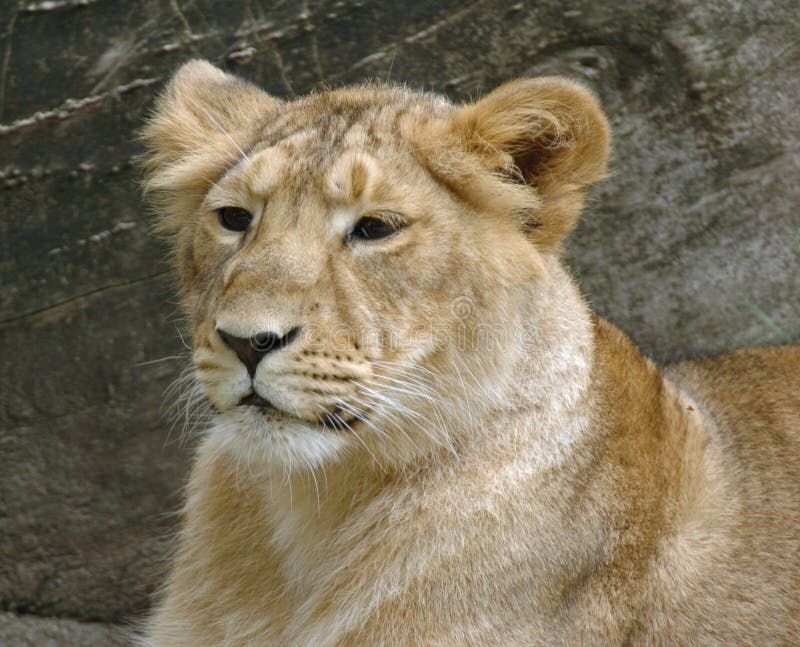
(549, 133)
(204, 121)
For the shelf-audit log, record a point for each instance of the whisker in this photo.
(405, 365)
(391, 63)
(392, 405)
(314, 477)
(219, 127)
(419, 384)
(346, 407)
(406, 381)
(467, 402)
(158, 361)
(478, 383)
(183, 341)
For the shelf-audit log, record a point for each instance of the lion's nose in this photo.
(252, 349)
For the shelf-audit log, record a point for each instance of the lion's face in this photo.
(353, 264)
(336, 284)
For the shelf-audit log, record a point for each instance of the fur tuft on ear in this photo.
(547, 133)
(203, 122)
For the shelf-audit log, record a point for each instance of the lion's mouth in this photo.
(255, 400)
(337, 419)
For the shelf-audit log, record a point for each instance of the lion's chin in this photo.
(265, 437)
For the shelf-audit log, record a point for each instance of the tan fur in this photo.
(514, 472)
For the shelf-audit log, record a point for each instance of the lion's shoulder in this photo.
(753, 397)
(751, 387)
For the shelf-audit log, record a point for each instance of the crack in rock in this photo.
(52, 5)
(96, 238)
(79, 297)
(71, 106)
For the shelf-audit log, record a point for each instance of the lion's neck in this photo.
(552, 372)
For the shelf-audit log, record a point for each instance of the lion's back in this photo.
(753, 399)
(753, 394)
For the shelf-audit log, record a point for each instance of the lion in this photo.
(420, 434)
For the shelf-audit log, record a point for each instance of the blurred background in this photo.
(691, 246)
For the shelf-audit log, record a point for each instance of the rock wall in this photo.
(691, 246)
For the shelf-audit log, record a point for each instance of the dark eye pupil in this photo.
(369, 228)
(234, 218)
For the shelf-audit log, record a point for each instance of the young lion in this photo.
(421, 435)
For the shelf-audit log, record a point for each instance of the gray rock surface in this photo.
(30, 631)
(691, 246)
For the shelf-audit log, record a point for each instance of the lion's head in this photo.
(354, 262)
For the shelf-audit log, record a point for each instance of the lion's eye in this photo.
(372, 228)
(234, 218)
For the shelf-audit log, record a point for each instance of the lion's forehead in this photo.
(313, 131)
(347, 176)
(343, 154)
(371, 110)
